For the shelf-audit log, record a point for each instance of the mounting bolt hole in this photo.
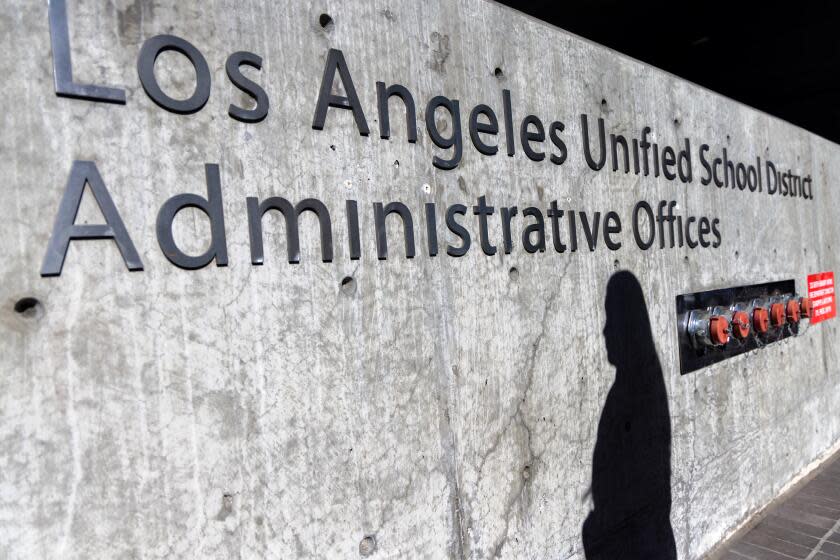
(28, 307)
(325, 21)
(367, 546)
(348, 286)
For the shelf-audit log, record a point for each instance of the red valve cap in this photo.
(806, 307)
(719, 330)
(761, 320)
(777, 314)
(792, 310)
(740, 325)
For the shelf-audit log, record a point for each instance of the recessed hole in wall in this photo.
(396, 163)
(685, 258)
(332, 147)
(498, 72)
(514, 273)
(526, 472)
(325, 21)
(603, 101)
(737, 254)
(616, 264)
(677, 122)
(367, 546)
(348, 285)
(227, 507)
(28, 307)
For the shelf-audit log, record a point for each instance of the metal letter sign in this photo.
(63, 67)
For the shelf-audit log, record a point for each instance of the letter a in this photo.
(66, 230)
(326, 99)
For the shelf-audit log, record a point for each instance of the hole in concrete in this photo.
(348, 286)
(498, 72)
(603, 101)
(332, 147)
(227, 507)
(325, 21)
(737, 254)
(396, 163)
(367, 546)
(526, 472)
(676, 122)
(28, 307)
(514, 273)
(685, 258)
(616, 264)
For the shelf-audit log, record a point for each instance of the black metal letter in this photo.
(508, 112)
(526, 137)
(602, 141)
(383, 94)
(379, 215)
(151, 49)
(326, 99)
(234, 61)
(491, 127)
(431, 229)
(212, 207)
(455, 141)
(537, 227)
(458, 230)
(644, 245)
(66, 230)
(63, 67)
(290, 214)
(353, 230)
(482, 211)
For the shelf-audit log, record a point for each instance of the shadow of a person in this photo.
(631, 464)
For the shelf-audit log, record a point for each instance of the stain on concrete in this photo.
(440, 52)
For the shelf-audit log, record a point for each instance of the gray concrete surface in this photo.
(434, 408)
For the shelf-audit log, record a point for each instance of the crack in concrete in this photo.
(519, 416)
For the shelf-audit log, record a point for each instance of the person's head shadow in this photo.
(631, 464)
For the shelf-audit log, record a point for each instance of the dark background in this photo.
(780, 57)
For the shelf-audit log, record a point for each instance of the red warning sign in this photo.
(821, 294)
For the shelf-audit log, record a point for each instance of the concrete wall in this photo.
(432, 407)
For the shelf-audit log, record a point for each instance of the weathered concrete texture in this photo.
(441, 407)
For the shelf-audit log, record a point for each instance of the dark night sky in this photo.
(780, 57)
